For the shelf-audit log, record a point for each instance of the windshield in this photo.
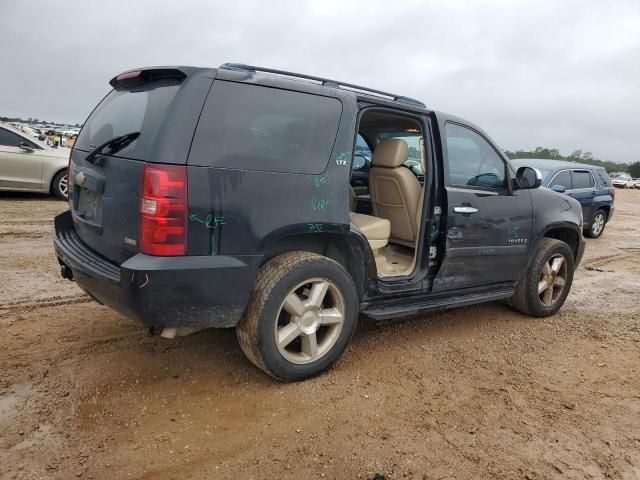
(141, 109)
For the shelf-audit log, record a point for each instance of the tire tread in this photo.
(526, 292)
(269, 276)
(589, 231)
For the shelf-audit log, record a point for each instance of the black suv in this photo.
(221, 197)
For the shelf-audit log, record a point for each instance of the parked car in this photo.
(588, 184)
(229, 207)
(622, 180)
(71, 133)
(30, 132)
(29, 165)
(636, 183)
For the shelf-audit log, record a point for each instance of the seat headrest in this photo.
(390, 153)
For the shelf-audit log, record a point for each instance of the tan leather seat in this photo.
(353, 201)
(395, 191)
(376, 230)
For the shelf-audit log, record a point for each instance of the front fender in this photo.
(556, 215)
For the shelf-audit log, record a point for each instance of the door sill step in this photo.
(386, 309)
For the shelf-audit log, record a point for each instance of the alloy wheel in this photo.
(63, 185)
(309, 321)
(598, 224)
(552, 280)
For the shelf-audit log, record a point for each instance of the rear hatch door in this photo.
(160, 108)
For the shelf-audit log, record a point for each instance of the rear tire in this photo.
(545, 286)
(597, 225)
(60, 185)
(300, 316)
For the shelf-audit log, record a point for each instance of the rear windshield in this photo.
(140, 109)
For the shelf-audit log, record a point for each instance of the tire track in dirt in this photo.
(613, 258)
(56, 301)
(23, 235)
(43, 223)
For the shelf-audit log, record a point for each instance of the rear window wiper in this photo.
(114, 145)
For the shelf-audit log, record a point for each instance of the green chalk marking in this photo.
(320, 204)
(209, 222)
(318, 181)
(340, 156)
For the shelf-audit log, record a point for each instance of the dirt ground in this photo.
(478, 392)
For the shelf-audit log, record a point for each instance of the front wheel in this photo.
(545, 286)
(300, 316)
(597, 226)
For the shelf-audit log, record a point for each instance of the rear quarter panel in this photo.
(243, 212)
(602, 199)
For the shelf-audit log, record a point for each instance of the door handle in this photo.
(465, 209)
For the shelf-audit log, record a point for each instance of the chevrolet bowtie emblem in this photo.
(81, 178)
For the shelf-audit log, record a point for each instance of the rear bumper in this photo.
(194, 291)
(612, 209)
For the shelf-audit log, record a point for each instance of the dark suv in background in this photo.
(203, 197)
(588, 184)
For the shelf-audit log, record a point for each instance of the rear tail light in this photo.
(163, 210)
(612, 190)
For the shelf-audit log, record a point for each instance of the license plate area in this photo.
(88, 187)
(87, 208)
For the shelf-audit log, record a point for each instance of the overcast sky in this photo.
(562, 74)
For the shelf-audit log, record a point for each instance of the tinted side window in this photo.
(581, 179)
(472, 161)
(9, 139)
(604, 178)
(362, 147)
(252, 127)
(359, 162)
(562, 178)
(362, 155)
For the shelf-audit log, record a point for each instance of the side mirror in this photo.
(559, 188)
(359, 162)
(25, 146)
(527, 177)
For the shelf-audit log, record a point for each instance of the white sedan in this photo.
(28, 165)
(623, 181)
(71, 133)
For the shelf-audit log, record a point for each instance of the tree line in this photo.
(632, 169)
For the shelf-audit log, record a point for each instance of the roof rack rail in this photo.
(325, 82)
